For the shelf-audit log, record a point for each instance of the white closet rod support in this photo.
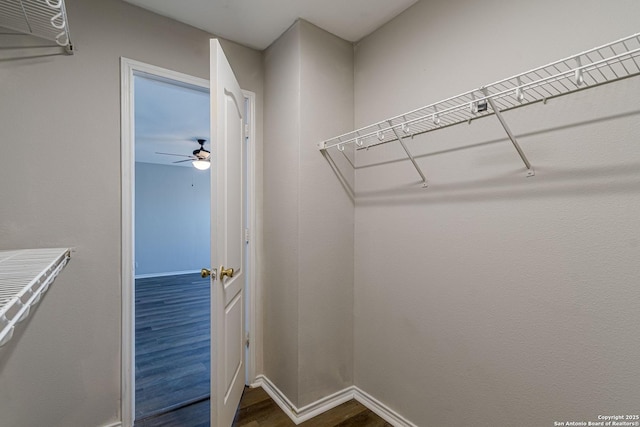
(406, 150)
(530, 171)
(603, 64)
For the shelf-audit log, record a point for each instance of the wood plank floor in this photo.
(257, 409)
(172, 342)
(173, 364)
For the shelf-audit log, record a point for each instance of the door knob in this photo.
(205, 272)
(225, 272)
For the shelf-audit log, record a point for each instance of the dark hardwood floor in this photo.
(172, 343)
(195, 415)
(173, 364)
(257, 409)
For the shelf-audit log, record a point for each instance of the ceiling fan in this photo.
(200, 157)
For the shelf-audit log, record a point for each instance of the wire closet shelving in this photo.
(46, 19)
(25, 275)
(604, 64)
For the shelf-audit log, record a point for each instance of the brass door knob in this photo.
(205, 272)
(225, 272)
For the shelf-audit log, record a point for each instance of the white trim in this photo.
(279, 397)
(308, 411)
(326, 403)
(255, 295)
(118, 424)
(165, 274)
(322, 405)
(126, 223)
(383, 411)
(128, 68)
(160, 73)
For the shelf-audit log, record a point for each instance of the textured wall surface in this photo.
(281, 200)
(491, 299)
(326, 213)
(488, 299)
(60, 186)
(308, 216)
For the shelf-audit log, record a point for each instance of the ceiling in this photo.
(258, 23)
(168, 118)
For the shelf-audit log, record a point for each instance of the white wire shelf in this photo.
(607, 63)
(25, 275)
(46, 19)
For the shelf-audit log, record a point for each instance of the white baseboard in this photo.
(299, 415)
(118, 424)
(382, 410)
(168, 273)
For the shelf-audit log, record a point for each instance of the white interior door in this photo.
(227, 243)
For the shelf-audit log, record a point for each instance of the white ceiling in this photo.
(168, 118)
(258, 23)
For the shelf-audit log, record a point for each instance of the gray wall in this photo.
(488, 299)
(281, 199)
(63, 367)
(172, 219)
(308, 216)
(326, 215)
(491, 299)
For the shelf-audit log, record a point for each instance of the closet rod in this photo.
(603, 64)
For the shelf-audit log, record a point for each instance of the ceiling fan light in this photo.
(202, 165)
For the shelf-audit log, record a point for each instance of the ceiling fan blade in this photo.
(171, 154)
(182, 161)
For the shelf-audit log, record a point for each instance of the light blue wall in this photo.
(172, 219)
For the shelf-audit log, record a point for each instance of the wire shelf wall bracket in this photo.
(603, 64)
(405, 129)
(512, 138)
(46, 19)
(25, 276)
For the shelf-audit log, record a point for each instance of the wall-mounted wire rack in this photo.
(607, 63)
(46, 19)
(25, 275)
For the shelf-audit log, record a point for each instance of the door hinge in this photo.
(246, 235)
(246, 130)
(246, 339)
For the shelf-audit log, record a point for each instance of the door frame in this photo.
(129, 68)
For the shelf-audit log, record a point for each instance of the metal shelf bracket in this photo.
(405, 129)
(514, 141)
(610, 62)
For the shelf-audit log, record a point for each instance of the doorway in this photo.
(134, 74)
(172, 215)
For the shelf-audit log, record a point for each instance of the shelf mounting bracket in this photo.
(498, 113)
(406, 150)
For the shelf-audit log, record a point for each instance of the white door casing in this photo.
(227, 240)
(128, 68)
